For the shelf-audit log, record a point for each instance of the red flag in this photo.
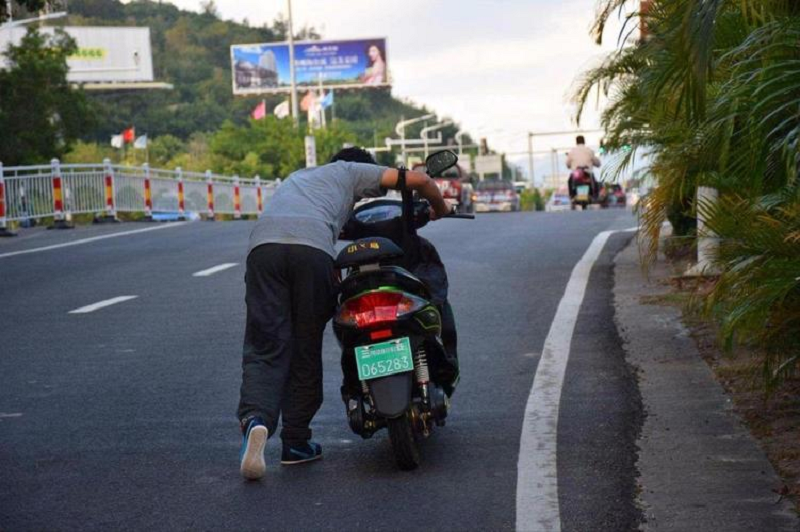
(260, 111)
(129, 135)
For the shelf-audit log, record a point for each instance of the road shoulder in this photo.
(700, 469)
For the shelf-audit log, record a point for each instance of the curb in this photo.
(700, 468)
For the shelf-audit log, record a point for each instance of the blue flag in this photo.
(327, 100)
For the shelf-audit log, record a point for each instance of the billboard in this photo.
(105, 54)
(264, 68)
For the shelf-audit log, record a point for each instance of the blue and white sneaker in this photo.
(300, 454)
(253, 465)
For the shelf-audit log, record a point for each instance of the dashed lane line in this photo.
(89, 240)
(215, 269)
(101, 304)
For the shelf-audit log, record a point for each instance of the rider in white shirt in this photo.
(582, 156)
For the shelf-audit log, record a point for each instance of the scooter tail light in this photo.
(377, 307)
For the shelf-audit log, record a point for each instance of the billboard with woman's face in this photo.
(264, 68)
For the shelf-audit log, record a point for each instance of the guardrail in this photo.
(60, 190)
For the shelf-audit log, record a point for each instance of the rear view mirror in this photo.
(440, 161)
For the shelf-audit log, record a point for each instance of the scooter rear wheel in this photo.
(404, 445)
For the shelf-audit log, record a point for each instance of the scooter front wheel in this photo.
(404, 445)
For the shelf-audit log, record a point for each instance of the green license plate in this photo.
(386, 358)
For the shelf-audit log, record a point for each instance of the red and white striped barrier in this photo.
(259, 198)
(210, 195)
(237, 199)
(181, 201)
(58, 191)
(148, 193)
(109, 194)
(60, 213)
(3, 222)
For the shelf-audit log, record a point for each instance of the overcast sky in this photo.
(501, 68)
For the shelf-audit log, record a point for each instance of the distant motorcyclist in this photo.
(581, 156)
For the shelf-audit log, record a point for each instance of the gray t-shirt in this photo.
(312, 205)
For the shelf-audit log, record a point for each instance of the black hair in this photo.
(580, 140)
(354, 155)
(377, 45)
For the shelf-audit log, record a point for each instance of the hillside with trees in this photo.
(200, 124)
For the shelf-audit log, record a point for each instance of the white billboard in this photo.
(104, 54)
(489, 164)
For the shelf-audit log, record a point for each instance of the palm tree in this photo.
(713, 95)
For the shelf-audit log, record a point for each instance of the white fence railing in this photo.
(60, 190)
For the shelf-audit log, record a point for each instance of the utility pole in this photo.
(530, 157)
(295, 113)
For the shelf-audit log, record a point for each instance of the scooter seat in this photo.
(373, 250)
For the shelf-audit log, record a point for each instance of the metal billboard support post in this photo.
(295, 112)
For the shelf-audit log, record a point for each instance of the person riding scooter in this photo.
(582, 157)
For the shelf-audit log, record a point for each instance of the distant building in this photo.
(261, 76)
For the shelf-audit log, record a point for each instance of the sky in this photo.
(499, 68)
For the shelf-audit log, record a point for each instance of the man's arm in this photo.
(569, 159)
(596, 160)
(423, 184)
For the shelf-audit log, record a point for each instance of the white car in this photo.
(559, 201)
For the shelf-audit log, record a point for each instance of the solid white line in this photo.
(215, 269)
(101, 304)
(537, 471)
(90, 239)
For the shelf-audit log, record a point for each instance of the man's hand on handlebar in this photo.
(436, 215)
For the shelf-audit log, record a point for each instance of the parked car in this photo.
(455, 186)
(494, 196)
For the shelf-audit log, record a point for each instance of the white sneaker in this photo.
(253, 465)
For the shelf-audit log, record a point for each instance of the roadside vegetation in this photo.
(711, 92)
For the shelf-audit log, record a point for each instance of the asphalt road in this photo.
(123, 418)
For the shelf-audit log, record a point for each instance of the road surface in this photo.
(120, 368)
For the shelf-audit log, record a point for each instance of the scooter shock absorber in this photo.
(422, 372)
(421, 366)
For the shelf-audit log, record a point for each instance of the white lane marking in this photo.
(537, 470)
(215, 269)
(90, 239)
(101, 304)
(4, 415)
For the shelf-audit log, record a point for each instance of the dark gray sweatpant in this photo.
(290, 296)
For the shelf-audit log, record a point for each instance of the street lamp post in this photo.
(530, 158)
(295, 113)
